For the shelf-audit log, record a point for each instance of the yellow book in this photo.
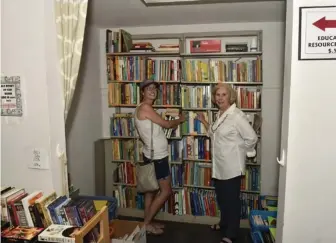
(40, 205)
(99, 204)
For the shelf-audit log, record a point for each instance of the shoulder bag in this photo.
(145, 173)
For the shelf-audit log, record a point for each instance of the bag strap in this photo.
(152, 143)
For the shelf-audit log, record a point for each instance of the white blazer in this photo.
(232, 137)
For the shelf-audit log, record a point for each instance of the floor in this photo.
(190, 233)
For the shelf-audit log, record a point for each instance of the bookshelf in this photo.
(186, 80)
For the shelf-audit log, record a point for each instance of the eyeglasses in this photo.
(153, 88)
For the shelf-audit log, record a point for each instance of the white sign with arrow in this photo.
(317, 33)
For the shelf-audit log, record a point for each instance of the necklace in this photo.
(215, 129)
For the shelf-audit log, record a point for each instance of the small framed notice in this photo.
(11, 98)
(317, 33)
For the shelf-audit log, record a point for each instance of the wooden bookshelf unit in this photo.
(186, 80)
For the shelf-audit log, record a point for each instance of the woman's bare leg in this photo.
(159, 200)
(149, 197)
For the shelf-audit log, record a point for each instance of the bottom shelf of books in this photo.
(189, 205)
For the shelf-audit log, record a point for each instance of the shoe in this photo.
(158, 225)
(215, 227)
(152, 230)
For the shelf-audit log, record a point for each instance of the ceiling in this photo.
(126, 13)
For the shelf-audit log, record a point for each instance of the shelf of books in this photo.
(187, 68)
(31, 216)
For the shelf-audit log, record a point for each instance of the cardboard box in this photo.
(125, 231)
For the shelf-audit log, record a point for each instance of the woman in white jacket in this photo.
(232, 138)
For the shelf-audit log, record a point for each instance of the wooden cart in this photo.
(102, 218)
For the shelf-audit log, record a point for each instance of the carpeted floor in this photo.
(191, 233)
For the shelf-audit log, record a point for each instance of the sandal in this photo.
(152, 230)
(158, 225)
(215, 227)
(226, 240)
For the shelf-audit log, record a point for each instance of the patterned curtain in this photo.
(70, 16)
(70, 22)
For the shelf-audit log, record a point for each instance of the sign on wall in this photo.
(11, 99)
(317, 33)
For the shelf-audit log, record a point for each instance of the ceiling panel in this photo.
(116, 13)
(154, 3)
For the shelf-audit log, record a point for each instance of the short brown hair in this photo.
(232, 93)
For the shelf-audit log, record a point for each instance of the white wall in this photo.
(273, 47)
(308, 180)
(85, 122)
(28, 49)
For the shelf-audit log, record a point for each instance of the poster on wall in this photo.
(11, 98)
(317, 33)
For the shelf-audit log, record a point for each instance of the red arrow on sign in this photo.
(323, 23)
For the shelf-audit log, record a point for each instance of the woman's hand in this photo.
(182, 117)
(200, 117)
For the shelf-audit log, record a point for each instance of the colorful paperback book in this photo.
(20, 234)
(59, 233)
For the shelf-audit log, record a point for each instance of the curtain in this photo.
(70, 17)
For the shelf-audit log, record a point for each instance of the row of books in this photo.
(200, 97)
(196, 96)
(192, 125)
(197, 202)
(123, 150)
(122, 124)
(129, 94)
(199, 175)
(37, 209)
(175, 151)
(168, 94)
(196, 148)
(125, 173)
(131, 150)
(118, 41)
(190, 148)
(190, 174)
(216, 70)
(33, 212)
(138, 68)
(190, 97)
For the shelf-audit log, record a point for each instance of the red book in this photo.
(205, 46)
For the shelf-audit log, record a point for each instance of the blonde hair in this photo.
(231, 92)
